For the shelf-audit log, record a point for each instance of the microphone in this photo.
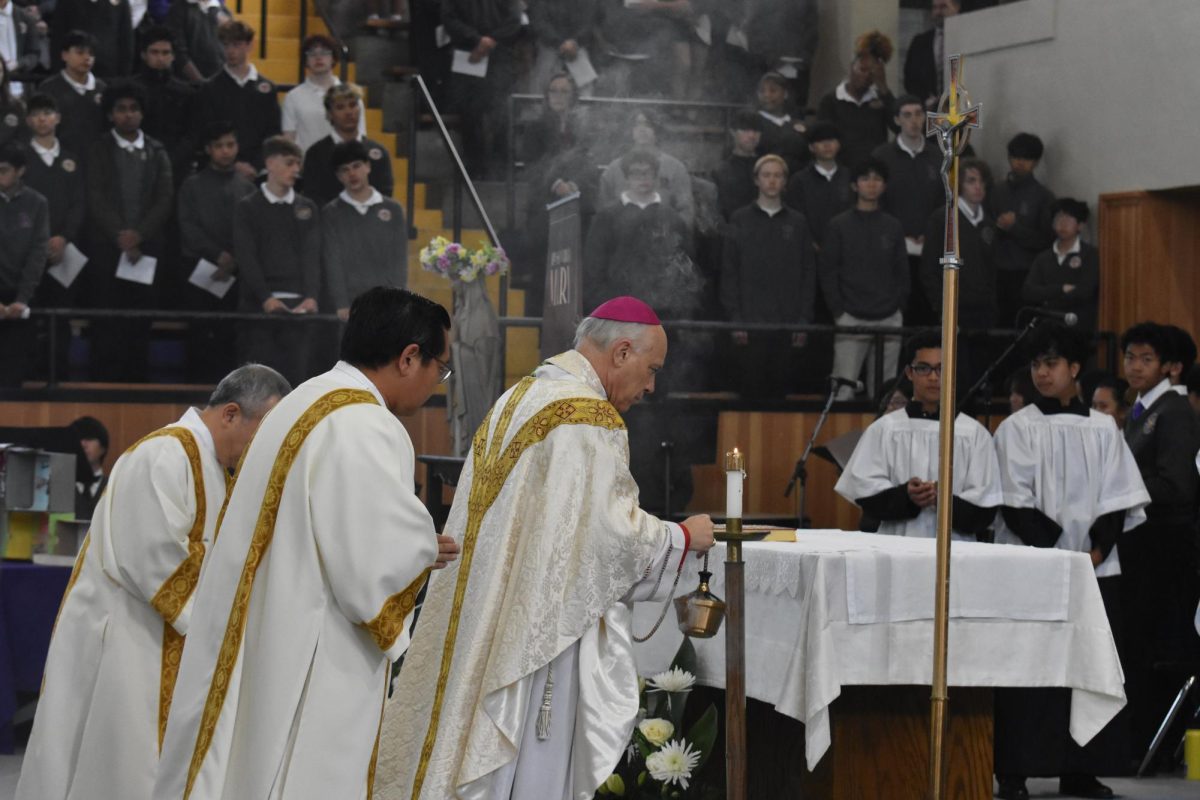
(836, 380)
(1068, 318)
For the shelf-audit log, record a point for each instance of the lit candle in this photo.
(735, 473)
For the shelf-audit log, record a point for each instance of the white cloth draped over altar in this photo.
(837, 609)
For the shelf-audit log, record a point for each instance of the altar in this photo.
(836, 610)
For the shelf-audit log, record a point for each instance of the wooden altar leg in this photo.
(735, 681)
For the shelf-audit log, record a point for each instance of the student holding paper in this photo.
(207, 201)
(130, 195)
(53, 170)
(277, 243)
(483, 34)
(565, 35)
(24, 220)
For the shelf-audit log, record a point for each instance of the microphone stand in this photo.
(800, 473)
(986, 378)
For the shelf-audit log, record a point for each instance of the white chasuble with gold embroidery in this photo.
(554, 548)
(119, 634)
(305, 601)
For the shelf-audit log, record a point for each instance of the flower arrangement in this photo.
(659, 762)
(452, 260)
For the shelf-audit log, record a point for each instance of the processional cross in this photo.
(952, 125)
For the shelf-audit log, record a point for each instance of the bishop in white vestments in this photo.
(311, 583)
(120, 631)
(892, 474)
(521, 680)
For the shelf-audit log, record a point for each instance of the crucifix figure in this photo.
(952, 126)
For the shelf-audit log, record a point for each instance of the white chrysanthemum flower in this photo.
(656, 730)
(673, 763)
(673, 680)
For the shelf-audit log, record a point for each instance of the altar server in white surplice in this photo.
(1070, 482)
(521, 680)
(130, 601)
(311, 584)
(892, 474)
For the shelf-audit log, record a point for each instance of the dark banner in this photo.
(563, 308)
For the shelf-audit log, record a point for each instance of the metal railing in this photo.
(423, 99)
(55, 317)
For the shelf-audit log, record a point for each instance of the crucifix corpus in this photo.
(951, 125)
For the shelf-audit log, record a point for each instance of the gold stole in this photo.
(492, 465)
(172, 596)
(264, 530)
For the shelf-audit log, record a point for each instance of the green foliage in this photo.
(703, 734)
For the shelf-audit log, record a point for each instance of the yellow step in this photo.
(282, 46)
(427, 219)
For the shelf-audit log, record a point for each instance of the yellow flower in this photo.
(657, 731)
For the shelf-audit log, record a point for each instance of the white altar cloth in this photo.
(1020, 616)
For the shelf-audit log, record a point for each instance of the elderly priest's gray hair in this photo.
(251, 386)
(604, 333)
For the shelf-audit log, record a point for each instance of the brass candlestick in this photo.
(733, 535)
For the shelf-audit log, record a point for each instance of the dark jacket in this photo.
(785, 141)
(207, 201)
(734, 178)
(253, 108)
(196, 36)
(554, 21)
(61, 184)
(29, 41)
(82, 117)
(977, 278)
(768, 269)
(320, 181)
(920, 69)
(108, 21)
(277, 247)
(863, 127)
(914, 184)
(467, 21)
(1044, 284)
(641, 252)
(863, 266)
(157, 194)
(1164, 441)
(167, 115)
(12, 121)
(24, 218)
(818, 199)
(1032, 232)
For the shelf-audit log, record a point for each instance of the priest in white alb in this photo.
(306, 600)
(120, 631)
(521, 680)
(892, 474)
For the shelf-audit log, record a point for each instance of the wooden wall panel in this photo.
(128, 422)
(1149, 246)
(772, 443)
